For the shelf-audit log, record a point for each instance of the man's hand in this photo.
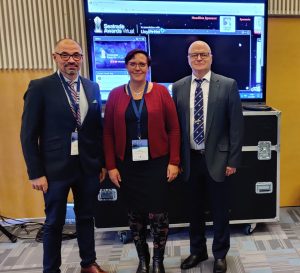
(102, 175)
(230, 171)
(40, 184)
(115, 177)
(172, 172)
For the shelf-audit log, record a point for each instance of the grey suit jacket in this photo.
(224, 125)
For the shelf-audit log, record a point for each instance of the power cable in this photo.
(28, 227)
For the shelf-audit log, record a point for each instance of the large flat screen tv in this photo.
(236, 31)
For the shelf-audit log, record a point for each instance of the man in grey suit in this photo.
(61, 138)
(211, 120)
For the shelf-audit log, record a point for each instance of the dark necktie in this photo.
(75, 96)
(198, 114)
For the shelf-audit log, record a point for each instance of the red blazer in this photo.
(163, 125)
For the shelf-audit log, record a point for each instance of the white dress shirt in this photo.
(83, 103)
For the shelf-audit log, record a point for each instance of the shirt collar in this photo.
(206, 76)
(66, 79)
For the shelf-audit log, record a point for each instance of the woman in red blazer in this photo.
(141, 144)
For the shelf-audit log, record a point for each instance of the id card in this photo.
(74, 143)
(140, 149)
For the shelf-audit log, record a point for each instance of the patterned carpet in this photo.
(272, 247)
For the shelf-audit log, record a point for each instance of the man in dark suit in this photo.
(61, 138)
(211, 120)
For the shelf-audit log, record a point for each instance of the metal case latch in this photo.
(263, 187)
(107, 195)
(264, 150)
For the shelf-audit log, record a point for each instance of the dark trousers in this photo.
(84, 190)
(204, 192)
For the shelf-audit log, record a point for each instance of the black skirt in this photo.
(144, 185)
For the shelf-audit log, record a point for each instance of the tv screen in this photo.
(235, 30)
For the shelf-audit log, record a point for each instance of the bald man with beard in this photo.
(61, 137)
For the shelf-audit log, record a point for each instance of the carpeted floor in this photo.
(272, 247)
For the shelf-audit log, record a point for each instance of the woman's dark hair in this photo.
(133, 52)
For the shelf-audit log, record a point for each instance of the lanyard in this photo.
(73, 103)
(138, 113)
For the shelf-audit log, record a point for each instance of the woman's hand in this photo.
(102, 175)
(115, 177)
(172, 172)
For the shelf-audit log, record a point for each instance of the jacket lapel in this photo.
(214, 87)
(185, 97)
(88, 90)
(61, 94)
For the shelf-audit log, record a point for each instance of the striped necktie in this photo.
(75, 96)
(198, 113)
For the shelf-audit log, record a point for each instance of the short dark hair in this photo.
(133, 52)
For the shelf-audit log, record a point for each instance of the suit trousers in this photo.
(85, 189)
(204, 193)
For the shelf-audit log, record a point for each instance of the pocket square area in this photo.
(94, 101)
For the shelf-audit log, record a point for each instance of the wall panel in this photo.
(284, 7)
(29, 29)
(17, 199)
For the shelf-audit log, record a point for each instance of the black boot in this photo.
(138, 227)
(158, 261)
(159, 225)
(144, 257)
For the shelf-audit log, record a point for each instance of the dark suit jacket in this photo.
(47, 124)
(224, 125)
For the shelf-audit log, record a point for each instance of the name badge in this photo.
(74, 143)
(140, 149)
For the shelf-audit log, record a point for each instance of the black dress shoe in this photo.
(220, 266)
(193, 260)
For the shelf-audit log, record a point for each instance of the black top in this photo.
(131, 127)
(144, 184)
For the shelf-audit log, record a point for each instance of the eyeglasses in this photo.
(134, 65)
(65, 56)
(203, 55)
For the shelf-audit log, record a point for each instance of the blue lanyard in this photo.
(74, 104)
(138, 113)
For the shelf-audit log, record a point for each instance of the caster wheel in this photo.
(249, 228)
(125, 236)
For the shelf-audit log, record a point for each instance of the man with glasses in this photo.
(211, 120)
(61, 138)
